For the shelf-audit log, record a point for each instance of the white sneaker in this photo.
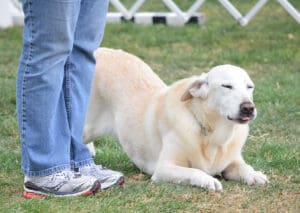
(63, 184)
(106, 177)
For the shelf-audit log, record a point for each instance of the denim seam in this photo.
(68, 98)
(67, 91)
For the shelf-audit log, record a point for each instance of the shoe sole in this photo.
(119, 182)
(37, 194)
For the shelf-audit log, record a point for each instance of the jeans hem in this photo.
(46, 172)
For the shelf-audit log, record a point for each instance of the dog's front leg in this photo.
(178, 174)
(172, 165)
(240, 171)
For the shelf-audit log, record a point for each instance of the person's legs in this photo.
(79, 73)
(42, 116)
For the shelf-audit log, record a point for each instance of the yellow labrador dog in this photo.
(184, 133)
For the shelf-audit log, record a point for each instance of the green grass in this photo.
(269, 48)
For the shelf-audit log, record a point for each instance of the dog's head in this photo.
(226, 89)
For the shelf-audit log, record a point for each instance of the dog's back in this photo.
(123, 72)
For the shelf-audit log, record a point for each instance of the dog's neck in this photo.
(215, 128)
(198, 111)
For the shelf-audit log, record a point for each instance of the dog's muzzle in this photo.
(246, 113)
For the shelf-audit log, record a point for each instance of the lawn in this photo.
(268, 48)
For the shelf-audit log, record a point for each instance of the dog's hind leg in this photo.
(99, 122)
(100, 125)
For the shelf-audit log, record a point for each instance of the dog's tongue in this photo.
(246, 118)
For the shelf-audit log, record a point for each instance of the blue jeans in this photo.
(54, 81)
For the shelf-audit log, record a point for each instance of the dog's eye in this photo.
(227, 86)
(250, 87)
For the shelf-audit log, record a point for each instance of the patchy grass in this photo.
(268, 48)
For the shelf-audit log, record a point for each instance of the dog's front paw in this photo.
(255, 178)
(208, 182)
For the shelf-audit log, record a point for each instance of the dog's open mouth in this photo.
(241, 119)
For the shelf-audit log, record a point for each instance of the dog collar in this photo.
(203, 130)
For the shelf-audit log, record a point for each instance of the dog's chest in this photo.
(213, 158)
(214, 152)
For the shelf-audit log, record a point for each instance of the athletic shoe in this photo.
(106, 177)
(63, 184)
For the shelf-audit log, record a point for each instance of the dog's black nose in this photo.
(247, 108)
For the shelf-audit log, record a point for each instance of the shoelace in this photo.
(65, 175)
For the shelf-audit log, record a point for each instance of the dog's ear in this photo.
(198, 89)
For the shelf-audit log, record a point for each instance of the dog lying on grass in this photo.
(184, 133)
